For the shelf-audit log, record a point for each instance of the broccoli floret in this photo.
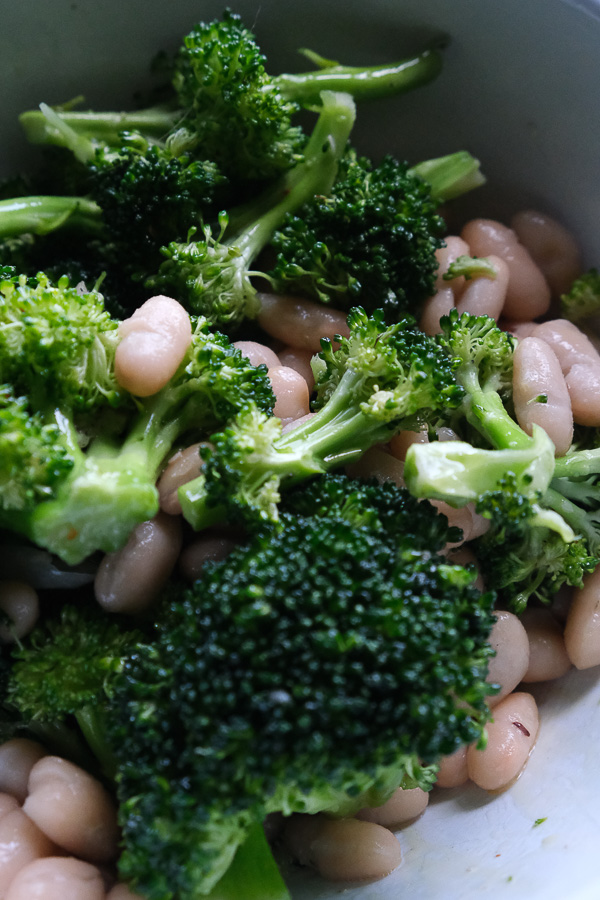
(544, 512)
(470, 267)
(57, 348)
(583, 300)
(318, 668)
(370, 241)
(381, 379)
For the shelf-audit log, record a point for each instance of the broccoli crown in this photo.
(371, 241)
(294, 676)
(238, 117)
(583, 299)
(482, 352)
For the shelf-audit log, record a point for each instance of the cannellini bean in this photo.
(580, 364)
(582, 629)
(470, 523)
(153, 343)
(548, 658)
(540, 393)
(21, 604)
(520, 330)
(510, 740)
(343, 849)
(434, 308)
(400, 443)
(8, 803)
(403, 806)
(57, 878)
(258, 354)
(509, 639)
(453, 769)
(17, 758)
(528, 294)
(184, 466)
(378, 463)
(129, 580)
(206, 548)
(291, 393)
(21, 842)
(464, 556)
(454, 246)
(551, 246)
(298, 322)
(72, 809)
(483, 296)
(300, 361)
(122, 892)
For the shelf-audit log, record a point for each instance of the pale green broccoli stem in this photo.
(486, 412)
(44, 214)
(450, 176)
(253, 867)
(363, 83)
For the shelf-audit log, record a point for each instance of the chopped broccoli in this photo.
(583, 300)
(470, 267)
(383, 378)
(370, 241)
(96, 467)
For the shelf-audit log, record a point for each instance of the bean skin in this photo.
(580, 364)
(434, 308)
(537, 373)
(300, 323)
(300, 361)
(582, 629)
(258, 354)
(507, 668)
(17, 758)
(403, 806)
(453, 769)
(122, 892)
(291, 393)
(510, 740)
(551, 247)
(485, 296)
(21, 604)
(548, 658)
(21, 842)
(183, 466)
(8, 803)
(454, 246)
(206, 548)
(57, 878)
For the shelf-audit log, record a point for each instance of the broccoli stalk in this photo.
(381, 379)
(43, 214)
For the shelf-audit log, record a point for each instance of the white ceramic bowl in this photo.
(520, 90)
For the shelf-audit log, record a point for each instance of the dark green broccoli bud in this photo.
(381, 379)
(312, 670)
(583, 299)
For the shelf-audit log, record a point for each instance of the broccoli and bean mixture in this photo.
(298, 491)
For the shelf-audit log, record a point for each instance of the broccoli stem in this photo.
(373, 82)
(253, 872)
(92, 722)
(486, 412)
(103, 126)
(450, 176)
(43, 214)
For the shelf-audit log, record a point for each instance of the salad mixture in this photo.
(299, 485)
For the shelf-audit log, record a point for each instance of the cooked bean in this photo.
(129, 580)
(295, 423)
(122, 892)
(402, 807)
(153, 342)
(8, 802)
(582, 630)
(300, 323)
(510, 740)
(520, 330)
(434, 308)
(551, 246)
(300, 361)
(464, 556)
(580, 364)
(400, 443)
(485, 296)
(540, 393)
(454, 246)
(57, 878)
(548, 658)
(453, 769)
(21, 842)
(509, 639)
(470, 523)
(378, 463)
(184, 466)
(206, 548)
(527, 294)
(258, 354)
(21, 604)
(291, 393)
(17, 758)
(72, 809)
(343, 849)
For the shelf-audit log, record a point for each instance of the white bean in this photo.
(528, 294)
(510, 740)
(300, 323)
(537, 374)
(291, 393)
(454, 246)
(183, 466)
(403, 806)
(551, 246)
(72, 809)
(57, 878)
(485, 296)
(8, 803)
(580, 364)
(21, 842)
(21, 604)
(153, 343)
(464, 556)
(434, 308)
(509, 639)
(400, 443)
(582, 630)
(17, 758)
(378, 463)
(122, 892)
(206, 548)
(548, 658)
(300, 361)
(453, 769)
(129, 580)
(258, 354)
(343, 849)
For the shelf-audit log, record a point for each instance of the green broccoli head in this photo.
(583, 299)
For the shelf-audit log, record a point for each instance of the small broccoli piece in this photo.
(470, 267)
(318, 668)
(214, 276)
(450, 176)
(583, 300)
(383, 378)
(57, 349)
